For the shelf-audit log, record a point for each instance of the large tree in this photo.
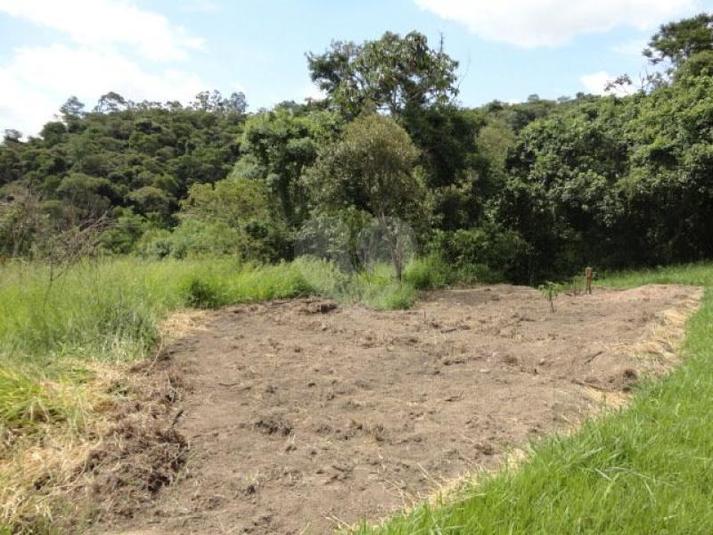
(391, 74)
(372, 169)
(276, 146)
(678, 41)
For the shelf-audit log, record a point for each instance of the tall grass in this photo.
(111, 309)
(645, 469)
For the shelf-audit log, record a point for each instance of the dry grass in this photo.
(113, 452)
(39, 470)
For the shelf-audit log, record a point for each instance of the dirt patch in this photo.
(140, 451)
(304, 416)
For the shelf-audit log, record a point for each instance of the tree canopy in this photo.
(532, 190)
(391, 74)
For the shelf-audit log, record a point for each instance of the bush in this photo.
(154, 244)
(201, 293)
(489, 251)
(391, 296)
(428, 272)
(195, 239)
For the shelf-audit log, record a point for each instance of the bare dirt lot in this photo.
(303, 415)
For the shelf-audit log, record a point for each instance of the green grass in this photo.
(111, 310)
(645, 469)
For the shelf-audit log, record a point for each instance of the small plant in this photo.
(202, 294)
(550, 290)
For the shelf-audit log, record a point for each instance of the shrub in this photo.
(499, 252)
(201, 293)
(155, 244)
(428, 272)
(392, 296)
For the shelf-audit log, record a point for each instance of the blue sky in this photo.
(171, 49)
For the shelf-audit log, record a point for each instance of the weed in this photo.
(202, 294)
(550, 290)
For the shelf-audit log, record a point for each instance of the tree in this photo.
(214, 102)
(73, 108)
(391, 74)
(678, 41)
(21, 221)
(372, 169)
(242, 209)
(111, 102)
(90, 196)
(277, 146)
(11, 136)
(152, 202)
(53, 133)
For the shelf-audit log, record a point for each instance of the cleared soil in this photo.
(302, 416)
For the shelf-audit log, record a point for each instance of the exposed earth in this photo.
(303, 416)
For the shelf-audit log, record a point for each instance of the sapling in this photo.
(550, 290)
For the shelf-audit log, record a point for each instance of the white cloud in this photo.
(104, 46)
(633, 47)
(199, 6)
(102, 23)
(38, 80)
(313, 92)
(532, 23)
(596, 83)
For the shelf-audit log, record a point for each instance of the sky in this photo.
(172, 49)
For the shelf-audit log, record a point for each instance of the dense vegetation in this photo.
(527, 191)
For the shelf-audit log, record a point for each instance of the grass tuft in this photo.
(26, 402)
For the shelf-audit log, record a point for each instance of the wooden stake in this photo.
(589, 275)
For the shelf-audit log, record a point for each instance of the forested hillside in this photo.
(525, 191)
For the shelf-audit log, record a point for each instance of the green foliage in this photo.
(335, 235)
(278, 146)
(125, 154)
(196, 239)
(528, 192)
(679, 41)
(498, 251)
(389, 296)
(372, 169)
(22, 221)
(124, 234)
(202, 294)
(232, 216)
(233, 201)
(615, 181)
(391, 74)
(429, 272)
(550, 290)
